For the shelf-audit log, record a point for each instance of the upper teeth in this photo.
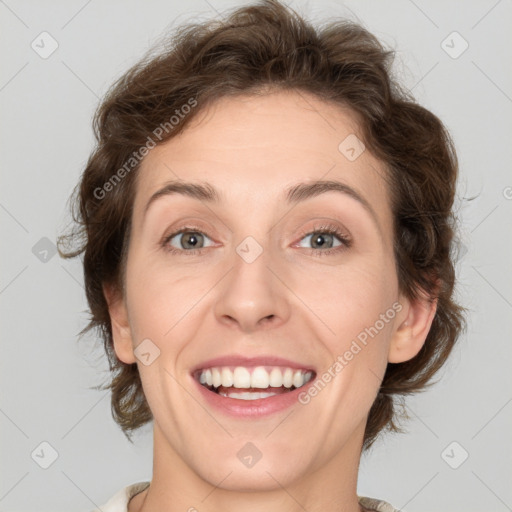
(260, 377)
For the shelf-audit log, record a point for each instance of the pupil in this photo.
(320, 240)
(191, 240)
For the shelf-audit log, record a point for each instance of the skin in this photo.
(291, 302)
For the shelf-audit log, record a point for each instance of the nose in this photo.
(251, 297)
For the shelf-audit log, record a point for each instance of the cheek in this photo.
(159, 297)
(359, 306)
(160, 303)
(350, 299)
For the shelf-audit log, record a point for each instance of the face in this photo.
(243, 284)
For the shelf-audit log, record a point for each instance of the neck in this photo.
(331, 487)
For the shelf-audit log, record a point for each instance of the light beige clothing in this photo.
(119, 502)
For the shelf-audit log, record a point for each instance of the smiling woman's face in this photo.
(255, 275)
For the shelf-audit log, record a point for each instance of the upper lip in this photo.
(239, 360)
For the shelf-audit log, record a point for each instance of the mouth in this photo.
(247, 388)
(245, 383)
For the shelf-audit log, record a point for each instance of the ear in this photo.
(414, 325)
(121, 333)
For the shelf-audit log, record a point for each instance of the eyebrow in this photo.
(204, 191)
(200, 191)
(304, 191)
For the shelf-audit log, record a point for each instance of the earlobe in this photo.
(121, 333)
(412, 329)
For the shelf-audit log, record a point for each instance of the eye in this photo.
(325, 240)
(322, 240)
(186, 240)
(191, 241)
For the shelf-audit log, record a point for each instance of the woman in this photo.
(266, 224)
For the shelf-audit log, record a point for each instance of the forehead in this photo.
(252, 148)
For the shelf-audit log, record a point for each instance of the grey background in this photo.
(46, 137)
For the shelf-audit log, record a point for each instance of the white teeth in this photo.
(276, 378)
(288, 378)
(246, 395)
(297, 379)
(216, 378)
(227, 377)
(241, 377)
(258, 377)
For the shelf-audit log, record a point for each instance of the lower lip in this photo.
(252, 408)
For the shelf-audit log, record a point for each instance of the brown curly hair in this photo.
(262, 47)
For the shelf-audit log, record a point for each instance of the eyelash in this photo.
(324, 229)
(328, 229)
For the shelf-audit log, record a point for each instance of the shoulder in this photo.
(119, 501)
(374, 505)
